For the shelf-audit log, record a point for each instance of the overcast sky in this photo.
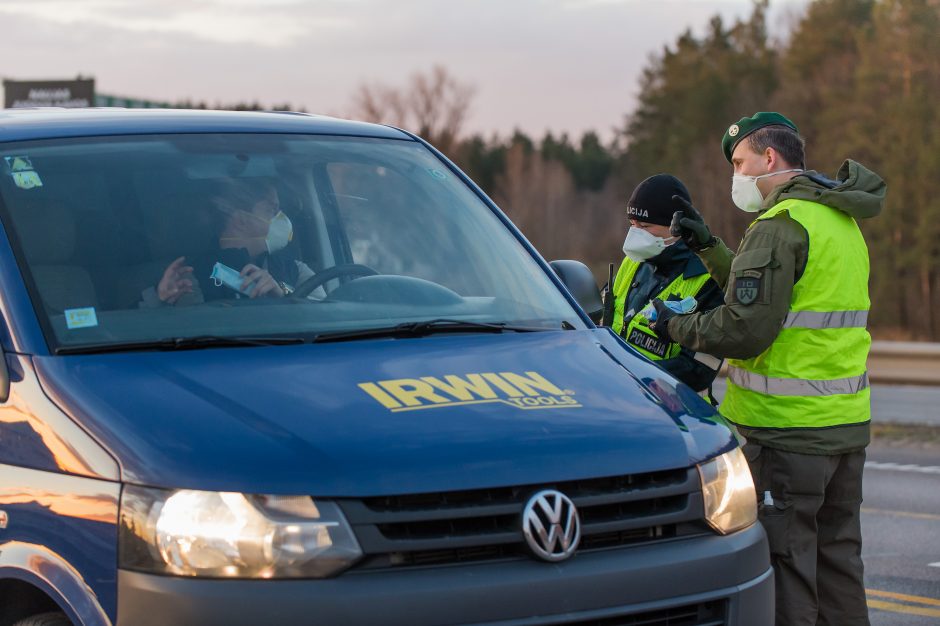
(564, 65)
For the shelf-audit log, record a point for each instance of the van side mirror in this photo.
(580, 282)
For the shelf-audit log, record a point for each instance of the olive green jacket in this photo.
(742, 331)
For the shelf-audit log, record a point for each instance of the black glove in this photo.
(663, 315)
(688, 224)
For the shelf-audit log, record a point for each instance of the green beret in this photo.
(747, 125)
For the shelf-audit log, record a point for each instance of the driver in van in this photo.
(253, 234)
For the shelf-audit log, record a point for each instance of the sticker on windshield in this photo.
(436, 173)
(81, 318)
(21, 169)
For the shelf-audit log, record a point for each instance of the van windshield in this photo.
(131, 239)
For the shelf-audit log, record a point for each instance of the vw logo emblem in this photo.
(551, 525)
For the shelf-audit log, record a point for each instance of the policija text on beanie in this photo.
(652, 202)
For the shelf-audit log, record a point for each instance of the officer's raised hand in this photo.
(661, 325)
(688, 224)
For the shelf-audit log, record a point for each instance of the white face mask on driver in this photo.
(744, 192)
(640, 245)
(280, 232)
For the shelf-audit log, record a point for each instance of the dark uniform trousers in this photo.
(814, 532)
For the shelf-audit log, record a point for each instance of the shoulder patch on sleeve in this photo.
(749, 270)
(747, 288)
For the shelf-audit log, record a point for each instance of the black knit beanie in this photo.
(652, 201)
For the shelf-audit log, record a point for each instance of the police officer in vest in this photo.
(658, 265)
(794, 331)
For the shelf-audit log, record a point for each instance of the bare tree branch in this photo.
(434, 105)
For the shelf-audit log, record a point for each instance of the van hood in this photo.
(383, 417)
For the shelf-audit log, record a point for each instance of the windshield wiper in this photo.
(422, 329)
(180, 343)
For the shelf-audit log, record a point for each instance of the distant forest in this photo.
(861, 79)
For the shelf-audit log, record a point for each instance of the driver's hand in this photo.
(264, 283)
(176, 281)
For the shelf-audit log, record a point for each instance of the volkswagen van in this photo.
(272, 368)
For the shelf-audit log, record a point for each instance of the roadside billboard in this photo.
(49, 93)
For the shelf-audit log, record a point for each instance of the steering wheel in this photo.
(305, 288)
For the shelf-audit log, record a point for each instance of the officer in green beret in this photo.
(793, 328)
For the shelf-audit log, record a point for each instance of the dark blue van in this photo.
(270, 368)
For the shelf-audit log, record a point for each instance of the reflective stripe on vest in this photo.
(639, 325)
(796, 387)
(814, 373)
(826, 319)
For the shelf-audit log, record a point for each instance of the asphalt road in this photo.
(905, 404)
(901, 513)
(901, 533)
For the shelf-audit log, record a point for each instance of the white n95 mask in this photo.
(745, 194)
(280, 232)
(641, 245)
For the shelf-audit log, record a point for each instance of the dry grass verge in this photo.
(916, 435)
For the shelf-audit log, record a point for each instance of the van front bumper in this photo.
(730, 574)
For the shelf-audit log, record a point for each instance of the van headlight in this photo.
(233, 535)
(728, 490)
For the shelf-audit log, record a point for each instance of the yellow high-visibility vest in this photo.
(638, 333)
(814, 373)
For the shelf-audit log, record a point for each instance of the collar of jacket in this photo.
(856, 190)
(675, 259)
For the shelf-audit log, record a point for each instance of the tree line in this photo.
(861, 78)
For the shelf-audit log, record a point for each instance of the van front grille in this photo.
(485, 524)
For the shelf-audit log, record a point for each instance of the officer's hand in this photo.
(661, 325)
(688, 224)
